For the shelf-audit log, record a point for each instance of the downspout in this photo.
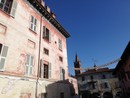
(38, 68)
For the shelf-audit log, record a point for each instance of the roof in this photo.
(93, 71)
(124, 57)
(36, 4)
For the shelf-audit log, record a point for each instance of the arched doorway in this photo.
(96, 95)
(107, 95)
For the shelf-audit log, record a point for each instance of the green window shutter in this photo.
(50, 70)
(13, 10)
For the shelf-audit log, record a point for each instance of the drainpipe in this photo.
(36, 89)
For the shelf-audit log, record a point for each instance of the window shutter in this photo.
(49, 70)
(41, 71)
(4, 51)
(50, 36)
(31, 64)
(13, 10)
(44, 32)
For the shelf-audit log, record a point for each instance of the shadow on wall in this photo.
(60, 89)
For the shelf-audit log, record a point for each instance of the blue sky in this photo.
(99, 29)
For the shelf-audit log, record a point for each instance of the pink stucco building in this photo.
(33, 51)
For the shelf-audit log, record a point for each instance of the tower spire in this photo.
(77, 65)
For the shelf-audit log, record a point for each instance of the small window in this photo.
(83, 78)
(45, 70)
(8, 6)
(106, 85)
(60, 44)
(61, 95)
(46, 51)
(29, 64)
(33, 23)
(43, 95)
(91, 77)
(46, 34)
(103, 76)
(60, 59)
(5, 5)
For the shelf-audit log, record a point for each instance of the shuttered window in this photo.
(33, 23)
(45, 70)
(29, 64)
(46, 34)
(8, 6)
(3, 55)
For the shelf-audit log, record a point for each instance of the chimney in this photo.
(43, 3)
(53, 15)
(48, 9)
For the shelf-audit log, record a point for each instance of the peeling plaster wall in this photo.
(13, 81)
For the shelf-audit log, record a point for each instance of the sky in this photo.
(99, 29)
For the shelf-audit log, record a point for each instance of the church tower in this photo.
(77, 65)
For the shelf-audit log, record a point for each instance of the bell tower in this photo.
(77, 65)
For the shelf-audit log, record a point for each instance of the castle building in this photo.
(33, 51)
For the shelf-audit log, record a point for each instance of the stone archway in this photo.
(107, 95)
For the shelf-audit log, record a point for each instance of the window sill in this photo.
(34, 32)
(5, 13)
(47, 41)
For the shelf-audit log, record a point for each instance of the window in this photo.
(61, 95)
(60, 59)
(46, 51)
(93, 86)
(33, 23)
(60, 44)
(91, 77)
(43, 95)
(29, 64)
(6, 5)
(83, 78)
(46, 34)
(3, 54)
(104, 85)
(62, 74)
(45, 70)
(103, 77)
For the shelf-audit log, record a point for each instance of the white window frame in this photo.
(33, 23)
(29, 64)
(5, 6)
